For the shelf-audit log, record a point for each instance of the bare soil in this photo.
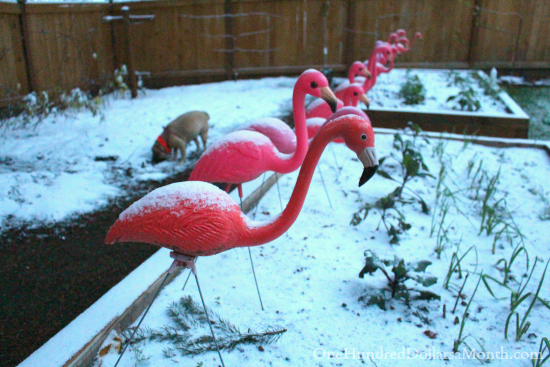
(52, 273)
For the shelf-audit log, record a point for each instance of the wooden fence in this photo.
(62, 46)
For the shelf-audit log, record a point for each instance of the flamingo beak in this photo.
(367, 74)
(330, 98)
(368, 157)
(363, 98)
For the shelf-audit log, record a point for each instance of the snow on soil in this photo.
(56, 170)
(384, 94)
(309, 277)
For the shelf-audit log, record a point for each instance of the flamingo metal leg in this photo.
(145, 314)
(208, 318)
(253, 270)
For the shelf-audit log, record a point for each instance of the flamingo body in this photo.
(243, 155)
(239, 157)
(280, 134)
(198, 219)
(195, 218)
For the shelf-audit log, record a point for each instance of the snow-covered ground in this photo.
(309, 277)
(439, 85)
(55, 170)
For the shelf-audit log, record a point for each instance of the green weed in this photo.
(543, 348)
(412, 90)
(523, 326)
(396, 284)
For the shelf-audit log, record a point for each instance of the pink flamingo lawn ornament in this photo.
(381, 50)
(282, 136)
(198, 219)
(242, 156)
(352, 93)
(403, 44)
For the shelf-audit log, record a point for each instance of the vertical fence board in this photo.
(71, 46)
(13, 78)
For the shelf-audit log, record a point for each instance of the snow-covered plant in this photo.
(37, 105)
(456, 79)
(412, 90)
(77, 100)
(190, 334)
(396, 287)
(466, 100)
(118, 86)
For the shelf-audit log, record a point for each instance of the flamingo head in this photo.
(401, 32)
(418, 35)
(359, 69)
(384, 53)
(392, 37)
(356, 94)
(358, 136)
(314, 83)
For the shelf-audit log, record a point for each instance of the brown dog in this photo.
(178, 133)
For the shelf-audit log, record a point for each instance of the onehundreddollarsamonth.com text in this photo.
(431, 353)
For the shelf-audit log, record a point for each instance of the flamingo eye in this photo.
(314, 85)
(363, 136)
(355, 93)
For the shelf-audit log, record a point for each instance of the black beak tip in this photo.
(368, 172)
(333, 106)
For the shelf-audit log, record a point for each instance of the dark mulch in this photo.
(51, 274)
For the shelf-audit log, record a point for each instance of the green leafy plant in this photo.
(455, 79)
(412, 90)
(396, 284)
(411, 163)
(466, 100)
(189, 323)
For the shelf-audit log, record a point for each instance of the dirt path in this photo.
(52, 274)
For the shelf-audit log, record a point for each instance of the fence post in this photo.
(349, 43)
(230, 41)
(132, 80)
(113, 39)
(473, 33)
(29, 65)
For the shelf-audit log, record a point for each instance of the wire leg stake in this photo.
(261, 193)
(208, 319)
(253, 270)
(188, 275)
(280, 200)
(338, 168)
(325, 186)
(142, 317)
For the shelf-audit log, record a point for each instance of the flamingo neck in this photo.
(263, 232)
(367, 85)
(350, 101)
(290, 163)
(351, 76)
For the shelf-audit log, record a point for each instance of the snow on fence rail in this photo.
(66, 45)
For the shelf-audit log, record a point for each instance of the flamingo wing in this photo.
(239, 157)
(196, 223)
